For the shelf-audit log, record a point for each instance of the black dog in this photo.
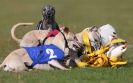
(48, 21)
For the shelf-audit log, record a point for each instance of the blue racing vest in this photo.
(44, 53)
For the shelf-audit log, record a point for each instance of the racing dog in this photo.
(34, 37)
(20, 59)
(48, 21)
(117, 47)
(109, 37)
(109, 48)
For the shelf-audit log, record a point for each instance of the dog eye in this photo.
(95, 40)
(114, 32)
(44, 9)
(52, 8)
(124, 47)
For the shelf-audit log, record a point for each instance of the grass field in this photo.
(76, 14)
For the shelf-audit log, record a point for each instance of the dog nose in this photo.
(114, 37)
(48, 13)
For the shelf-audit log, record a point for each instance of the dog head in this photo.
(48, 12)
(117, 48)
(74, 46)
(71, 38)
(107, 31)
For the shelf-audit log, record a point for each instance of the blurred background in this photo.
(76, 14)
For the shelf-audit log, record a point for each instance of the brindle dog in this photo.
(48, 21)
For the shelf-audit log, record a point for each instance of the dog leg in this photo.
(55, 63)
(43, 67)
(14, 62)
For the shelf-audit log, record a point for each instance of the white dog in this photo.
(108, 33)
(105, 35)
(117, 48)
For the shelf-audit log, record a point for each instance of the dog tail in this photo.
(13, 30)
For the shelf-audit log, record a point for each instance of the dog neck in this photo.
(79, 37)
(59, 41)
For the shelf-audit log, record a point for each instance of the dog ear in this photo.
(86, 29)
(61, 27)
(94, 28)
(66, 29)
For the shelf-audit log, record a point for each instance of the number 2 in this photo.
(51, 53)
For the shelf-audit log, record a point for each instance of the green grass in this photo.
(93, 75)
(76, 14)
